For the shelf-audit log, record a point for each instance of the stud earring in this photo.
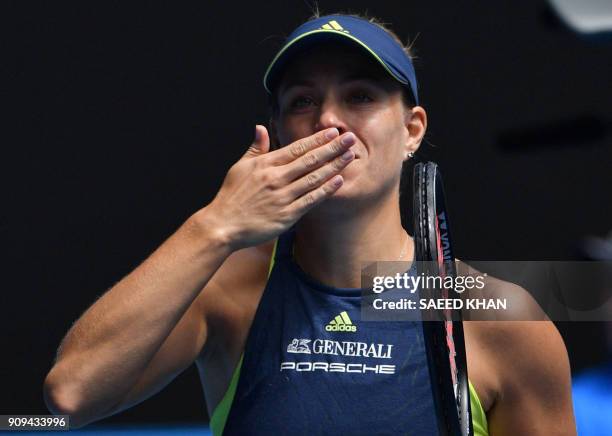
(411, 155)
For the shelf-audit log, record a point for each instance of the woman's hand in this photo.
(266, 192)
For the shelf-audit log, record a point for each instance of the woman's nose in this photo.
(330, 115)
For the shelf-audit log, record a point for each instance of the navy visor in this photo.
(371, 37)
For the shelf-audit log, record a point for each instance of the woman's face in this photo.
(340, 86)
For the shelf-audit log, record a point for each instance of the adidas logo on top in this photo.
(334, 25)
(341, 323)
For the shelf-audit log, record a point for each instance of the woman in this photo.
(261, 287)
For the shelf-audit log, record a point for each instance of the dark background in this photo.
(121, 119)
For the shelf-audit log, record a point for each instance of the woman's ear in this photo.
(416, 125)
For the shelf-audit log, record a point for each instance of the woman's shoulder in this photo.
(517, 303)
(521, 351)
(525, 364)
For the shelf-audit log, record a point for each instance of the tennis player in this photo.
(260, 288)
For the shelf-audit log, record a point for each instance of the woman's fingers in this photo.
(299, 148)
(317, 158)
(261, 143)
(316, 178)
(312, 198)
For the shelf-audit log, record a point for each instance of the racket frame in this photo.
(443, 331)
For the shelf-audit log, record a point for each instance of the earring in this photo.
(411, 155)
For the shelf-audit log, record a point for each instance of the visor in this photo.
(374, 40)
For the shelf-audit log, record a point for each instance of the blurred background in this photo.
(121, 119)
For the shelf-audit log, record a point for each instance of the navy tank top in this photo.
(311, 366)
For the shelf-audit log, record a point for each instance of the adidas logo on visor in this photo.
(334, 25)
(341, 323)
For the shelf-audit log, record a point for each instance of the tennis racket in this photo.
(443, 329)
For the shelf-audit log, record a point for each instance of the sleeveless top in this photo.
(312, 367)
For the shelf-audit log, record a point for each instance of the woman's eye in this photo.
(360, 97)
(301, 102)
